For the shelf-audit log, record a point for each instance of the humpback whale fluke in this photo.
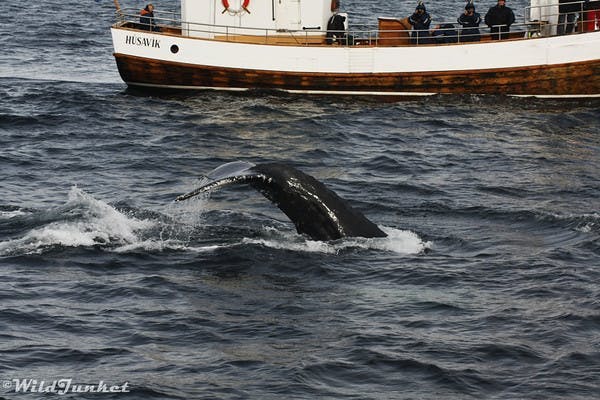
(314, 209)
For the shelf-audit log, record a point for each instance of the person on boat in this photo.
(147, 19)
(469, 20)
(335, 6)
(568, 12)
(499, 18)
(336, 29)
(592, 16)
(444, 33)
(420, 21)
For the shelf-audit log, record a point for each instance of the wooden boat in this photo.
(284, 45)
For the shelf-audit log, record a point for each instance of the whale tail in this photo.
(233, 172)
(314, 209)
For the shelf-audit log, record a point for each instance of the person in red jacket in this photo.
(591, 16)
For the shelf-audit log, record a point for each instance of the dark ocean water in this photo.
(487, 286)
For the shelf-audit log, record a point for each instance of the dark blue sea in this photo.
(487, 287)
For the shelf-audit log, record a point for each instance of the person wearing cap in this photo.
(420, 20)
(469, 20)
(499, 18)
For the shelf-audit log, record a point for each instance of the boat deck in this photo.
(384, 38)
(389, 32)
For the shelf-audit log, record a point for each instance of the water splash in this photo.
(85, 221)
(82, 221)
(397, 241)
(11, 214)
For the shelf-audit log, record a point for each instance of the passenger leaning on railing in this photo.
(444, 33)
(499, 18)
(336, 28)
(147, 19)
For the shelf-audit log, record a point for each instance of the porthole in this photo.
(174, 49)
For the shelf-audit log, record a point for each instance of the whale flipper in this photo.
(314, 209)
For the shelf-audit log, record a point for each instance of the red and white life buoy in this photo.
(244, 7)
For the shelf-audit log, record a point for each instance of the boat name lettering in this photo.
(142, 41)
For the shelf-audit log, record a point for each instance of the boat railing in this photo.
(542, 20)
(550, 19)
(169, 22)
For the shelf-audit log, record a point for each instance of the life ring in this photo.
(244, 7)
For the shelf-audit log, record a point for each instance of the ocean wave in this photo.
(49, 75)
(397, 241)
(21, 121)
(82, 221)
(154, 245)
(12, 212)
(486, 286)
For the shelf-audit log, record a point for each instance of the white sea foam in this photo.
(309, 246)
(397, 241)
(590, 224)
(11, 214)
(162, 245)
(87, 222)
(586, 222)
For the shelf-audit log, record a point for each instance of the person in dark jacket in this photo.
(567, 14)
(420, 20)
(336, 29)
(336, 26)
(147, 19)
(469, 20)
(444, 33)
(499, 18)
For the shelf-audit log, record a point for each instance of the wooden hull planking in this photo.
(580, 79)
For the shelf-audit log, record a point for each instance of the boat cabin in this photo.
(245, 17)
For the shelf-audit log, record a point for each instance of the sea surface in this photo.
(488, 285)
